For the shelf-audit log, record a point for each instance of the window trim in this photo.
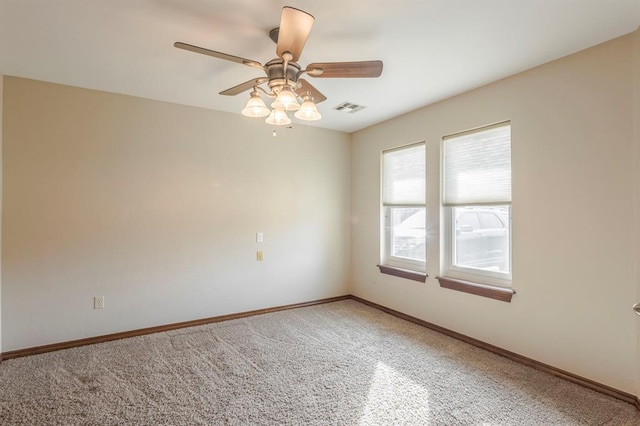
(459, 276)
(496, 279)
(484, 290)
(387, 261)
(403, 273)
(387, 258)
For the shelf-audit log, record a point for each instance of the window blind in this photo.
(477, 167)
(404, 173)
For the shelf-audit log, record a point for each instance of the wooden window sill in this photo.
(403, 273)
(497, 293)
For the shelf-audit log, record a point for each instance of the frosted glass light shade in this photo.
(286, 100)
(255, 107)
(308, 111)
(278, 117)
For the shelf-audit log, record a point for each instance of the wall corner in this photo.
(635, 114)
(1, 113)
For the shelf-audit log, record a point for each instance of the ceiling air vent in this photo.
(349, 107)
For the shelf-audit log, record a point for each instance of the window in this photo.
(477, 205)
(403, 205)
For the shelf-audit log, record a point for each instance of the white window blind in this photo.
(477, 167)
(404, 176)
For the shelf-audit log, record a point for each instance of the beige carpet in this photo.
(342, 363)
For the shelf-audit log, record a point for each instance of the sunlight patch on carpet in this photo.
(396, 398)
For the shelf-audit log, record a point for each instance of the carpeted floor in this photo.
(341, 363)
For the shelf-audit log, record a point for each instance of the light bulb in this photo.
(278, 117)
(308, 111)
(255, 106)
(286, 100)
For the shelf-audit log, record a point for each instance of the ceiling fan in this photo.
(283, 74)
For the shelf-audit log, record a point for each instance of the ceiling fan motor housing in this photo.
(275, 72)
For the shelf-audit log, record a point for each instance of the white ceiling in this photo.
(432, 49)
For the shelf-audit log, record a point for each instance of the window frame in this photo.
(448, 266)
(499, 279)
(386, 257)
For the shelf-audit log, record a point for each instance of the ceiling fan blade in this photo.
(307, 89)
(242, 87)
(295, 26)
(363, 69)
(219, 55)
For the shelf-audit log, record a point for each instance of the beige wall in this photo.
(156, 206)
(574, 259)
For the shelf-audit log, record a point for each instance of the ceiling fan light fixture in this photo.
(278, 117)
(286, 100)
(282, 73)
(308, 110)
(255, 106)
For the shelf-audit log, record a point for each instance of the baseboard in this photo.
(582, 381)
(140, 332)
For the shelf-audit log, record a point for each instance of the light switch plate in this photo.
(259, 237)
(98, 302)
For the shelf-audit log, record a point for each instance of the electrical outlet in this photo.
(259, 256)
(98, 302)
